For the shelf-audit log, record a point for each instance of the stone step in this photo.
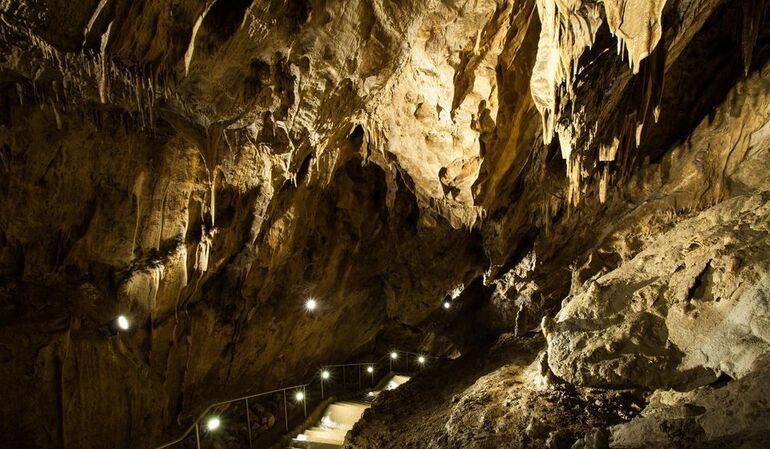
(345, 413)
(338, 418)
(325, 436)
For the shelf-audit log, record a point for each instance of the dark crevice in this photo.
(304, 168)
(357, 137)
(224, 18)
(701, 78)
(699, 285)
(721, 381)
(298, 13)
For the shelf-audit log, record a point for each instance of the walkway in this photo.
(260, 420)
(339, 418)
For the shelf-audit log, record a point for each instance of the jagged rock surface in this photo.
(204, 166)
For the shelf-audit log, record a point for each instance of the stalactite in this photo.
(202, 251)
(568, 29)
(574, 172)
(103, 88)
(157, 274)
(137, 194)
(603, 183)
(608, 152)
(213, 196)
(188, 55)
(56, 116)
(753, 15)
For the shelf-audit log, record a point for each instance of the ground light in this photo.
(311, 304)
(421, 360)
(122, 322)
(213, 423)
(325, 374)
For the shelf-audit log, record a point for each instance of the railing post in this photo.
(197, 437)
(359, 377)
(285, 411)
(304, 400)
(322, 388)
(248, 421)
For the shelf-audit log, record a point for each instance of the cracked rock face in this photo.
(586, 182)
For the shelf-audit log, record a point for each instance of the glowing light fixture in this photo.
(302, 437)
(325, 374)
(122, 322)
(421, 359)
(311, 304)
(394, 355)
(371, 393)
(447, 304)
(299, 396)
(369, 369)
(213, 423)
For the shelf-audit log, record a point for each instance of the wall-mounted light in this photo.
(447, 305)
(118, 324)
(311, 304)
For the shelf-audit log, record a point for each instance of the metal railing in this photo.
(326, 379)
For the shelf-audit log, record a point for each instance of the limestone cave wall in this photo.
(585, 180)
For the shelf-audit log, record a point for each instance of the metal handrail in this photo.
(352, 364)
(195, 425)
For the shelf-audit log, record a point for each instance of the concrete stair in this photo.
(339, 417)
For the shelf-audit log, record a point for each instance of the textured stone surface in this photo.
(692, 304)
(205, 166)
(731, 415)
(673, 296)
(489, 399)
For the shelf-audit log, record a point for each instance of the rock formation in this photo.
(585, 180)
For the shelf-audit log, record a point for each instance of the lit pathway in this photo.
(338, 419)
